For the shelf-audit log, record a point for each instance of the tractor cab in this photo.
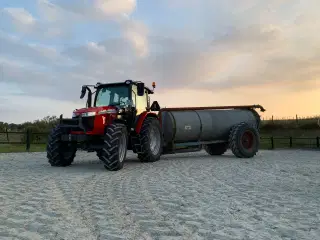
(119, 95)
(122, 102)
(124, 96)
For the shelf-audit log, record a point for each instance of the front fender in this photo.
(141, 118)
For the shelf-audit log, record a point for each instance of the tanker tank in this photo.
(204, 125)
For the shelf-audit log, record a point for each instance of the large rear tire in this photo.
(59, 153)
(114, 149)
(216, 148)
(151, 141)
(244, 140)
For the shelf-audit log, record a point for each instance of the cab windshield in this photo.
(113, 96)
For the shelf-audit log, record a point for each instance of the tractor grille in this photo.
(88, 123)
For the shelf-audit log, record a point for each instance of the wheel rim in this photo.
(122, 147)
(154, 136)
(247, 140)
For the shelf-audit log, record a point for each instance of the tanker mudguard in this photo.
(141, 118)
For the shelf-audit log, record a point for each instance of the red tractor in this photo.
(121, 118)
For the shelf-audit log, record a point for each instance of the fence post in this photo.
(7, 135)
(318, 142)
(290, 142)
(28, 140)
(272, 142)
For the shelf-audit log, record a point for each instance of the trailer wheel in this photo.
(244, 140)
(59, 153)
(114, 150)
(216, 148)
(151, 141)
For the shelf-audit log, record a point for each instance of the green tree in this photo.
(42, 125)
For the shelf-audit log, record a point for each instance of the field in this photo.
(187, 196)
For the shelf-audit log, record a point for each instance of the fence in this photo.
(290, 142)
(26, 139)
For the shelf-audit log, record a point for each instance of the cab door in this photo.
(140, 102)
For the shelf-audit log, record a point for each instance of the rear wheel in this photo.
(216, 148)
(114, 149)
(151, 141)
(59, 153)
(244, 140)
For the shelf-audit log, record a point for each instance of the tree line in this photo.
(42, 125)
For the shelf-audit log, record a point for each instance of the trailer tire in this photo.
(151, 140)
(114, 150)
(216, 148)
(244, 140)
(59, 153)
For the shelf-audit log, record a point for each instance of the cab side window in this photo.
(139, 101)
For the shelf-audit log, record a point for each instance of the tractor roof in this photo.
(127, 82)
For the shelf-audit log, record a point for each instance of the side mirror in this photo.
(155, 106)
(83, 92)
(140, 88)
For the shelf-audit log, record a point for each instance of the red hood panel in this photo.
(92, 109)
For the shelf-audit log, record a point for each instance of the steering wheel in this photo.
(123, 101)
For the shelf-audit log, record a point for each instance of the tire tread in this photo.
(109, 154)
(233, 140)
(56, 153)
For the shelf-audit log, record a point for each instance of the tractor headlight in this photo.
(88, 114)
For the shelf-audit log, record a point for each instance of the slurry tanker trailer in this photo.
(119, 117)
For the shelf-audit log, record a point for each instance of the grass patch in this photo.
(12, 148)
(279, 141)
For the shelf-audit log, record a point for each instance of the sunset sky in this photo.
(199, 52)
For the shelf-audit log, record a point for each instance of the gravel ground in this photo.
(187, 196)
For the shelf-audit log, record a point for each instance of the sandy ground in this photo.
(187, 196)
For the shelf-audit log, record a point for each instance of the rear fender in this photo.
(141, 118)
(258, 118)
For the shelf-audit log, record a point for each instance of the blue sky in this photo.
(200, 52)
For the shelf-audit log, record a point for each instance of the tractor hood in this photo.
(92, 111)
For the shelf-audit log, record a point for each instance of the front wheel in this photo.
(114, 150)
(151, 141)
(59, 153)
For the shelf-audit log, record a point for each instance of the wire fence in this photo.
(26, 139)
